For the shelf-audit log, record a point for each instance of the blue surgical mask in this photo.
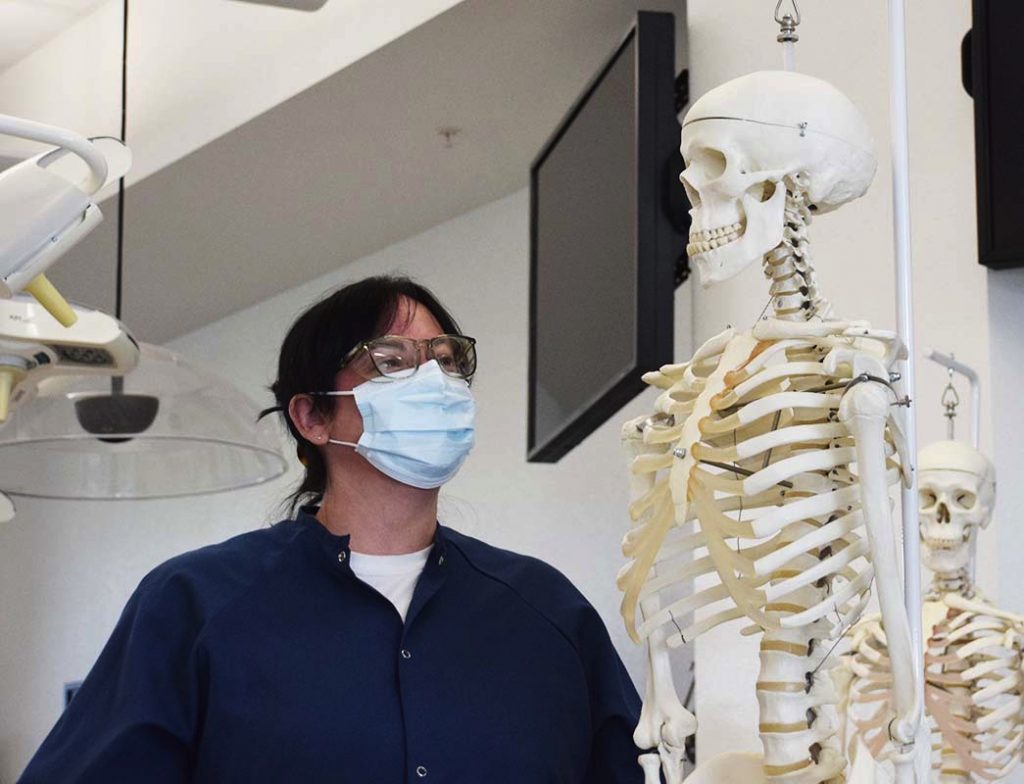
(417, 430)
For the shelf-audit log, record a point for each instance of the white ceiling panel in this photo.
(351, 165)
(27, 24)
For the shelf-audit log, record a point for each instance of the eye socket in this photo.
(711, 162)
(927, 500)
(966, 499)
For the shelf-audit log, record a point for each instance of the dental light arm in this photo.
(46, 206)
(49, 134)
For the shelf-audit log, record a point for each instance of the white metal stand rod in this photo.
(789, 56)
(905, 317)
(948, 361)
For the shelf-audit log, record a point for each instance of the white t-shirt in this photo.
(394, 576)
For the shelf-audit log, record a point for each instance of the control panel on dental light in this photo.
(35, 346)
(47, 206)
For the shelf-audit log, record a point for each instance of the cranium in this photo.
(743, 140)
(957, 486)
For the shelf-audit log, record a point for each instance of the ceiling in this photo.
(25, 25)
(351, 165)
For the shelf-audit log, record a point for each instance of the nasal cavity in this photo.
(943, 513)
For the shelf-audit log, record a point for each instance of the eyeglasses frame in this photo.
(383, 377)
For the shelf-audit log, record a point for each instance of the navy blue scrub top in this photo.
(265, 659)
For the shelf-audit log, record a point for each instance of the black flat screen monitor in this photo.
(993, 76)
(604, 243)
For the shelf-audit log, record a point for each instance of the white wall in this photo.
(846, 44)
(66, 569)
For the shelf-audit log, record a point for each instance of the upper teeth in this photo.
(708, 239)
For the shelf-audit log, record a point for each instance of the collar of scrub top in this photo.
(336, 551)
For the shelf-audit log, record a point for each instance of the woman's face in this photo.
(411, 320)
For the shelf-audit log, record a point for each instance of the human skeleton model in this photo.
(973, 664)
(743, 476)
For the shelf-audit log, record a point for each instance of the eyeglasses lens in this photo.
(394, 357)
(455, 354)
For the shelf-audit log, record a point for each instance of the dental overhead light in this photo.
(94, 415)
(164, 430)
(46, 208)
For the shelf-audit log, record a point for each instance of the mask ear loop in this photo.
(342, 443)
(337, 393)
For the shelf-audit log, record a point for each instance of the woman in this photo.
(361, 641)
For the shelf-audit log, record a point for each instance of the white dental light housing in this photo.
(166, 429)
(47, 206)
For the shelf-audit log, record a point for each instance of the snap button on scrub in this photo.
(421, 771)
(406, 654)
(342, 556)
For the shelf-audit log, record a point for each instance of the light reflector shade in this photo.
(167, 429)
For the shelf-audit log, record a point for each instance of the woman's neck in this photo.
(382, 516)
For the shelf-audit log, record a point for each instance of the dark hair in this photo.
(314, 347)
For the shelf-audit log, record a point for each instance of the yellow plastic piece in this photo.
(10, 377)
(52, 300)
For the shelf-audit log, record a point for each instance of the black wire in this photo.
(120, 187)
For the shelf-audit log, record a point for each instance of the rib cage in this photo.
(869, 707)
(764, 513)
(746, 469)
(973, 693)
(973, 690)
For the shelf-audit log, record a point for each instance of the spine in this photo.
(798, 719)
(794, 288)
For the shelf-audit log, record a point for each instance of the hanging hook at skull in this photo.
(787, 22)
(950, 401)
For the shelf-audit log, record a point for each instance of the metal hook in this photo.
(950, 401)
(787, 22)
(796, 12)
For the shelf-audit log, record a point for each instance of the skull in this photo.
(957, 486)
(744, 140)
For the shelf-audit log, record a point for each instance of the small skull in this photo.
(957, 493)
(748, 140)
